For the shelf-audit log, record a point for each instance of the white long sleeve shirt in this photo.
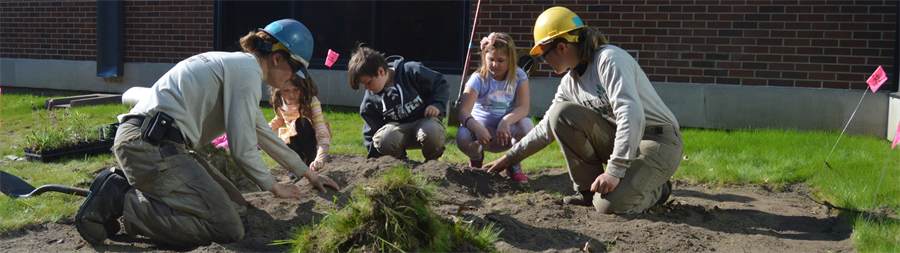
(616, 87)
(215, 93)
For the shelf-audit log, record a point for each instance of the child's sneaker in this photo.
(515, 173)
(476, 163)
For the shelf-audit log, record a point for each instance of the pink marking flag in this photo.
(332, 56)
(896, 137)
(877, 79)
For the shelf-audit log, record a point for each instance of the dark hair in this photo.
(308, 90)
(252, 43)
(364, 62)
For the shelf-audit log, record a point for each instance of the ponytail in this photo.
(589, 42)
(258, 44)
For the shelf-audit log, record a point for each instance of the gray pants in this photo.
(474, 150)
(587, 140)
(178, 197)
(428, 134)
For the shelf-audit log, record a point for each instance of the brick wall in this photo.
(790, 43)
(167, 31)
(155, 31)
(793, 43)
(59, 30)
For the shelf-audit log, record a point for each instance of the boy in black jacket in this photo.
(403, 106)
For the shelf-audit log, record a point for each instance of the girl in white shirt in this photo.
(494, 105)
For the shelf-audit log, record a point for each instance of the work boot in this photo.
(117, 171)
(112, 226)
(667, 191)
(98, 215)
(582, 198)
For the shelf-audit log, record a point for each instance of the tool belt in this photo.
(659, 130)
(159, 129)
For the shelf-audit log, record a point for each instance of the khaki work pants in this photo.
(427, 134)
(587, 140)
(178, 197)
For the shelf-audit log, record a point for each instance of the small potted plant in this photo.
(67, 134)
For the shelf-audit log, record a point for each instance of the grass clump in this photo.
(392, 214)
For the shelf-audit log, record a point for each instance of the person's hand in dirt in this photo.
(316, 165)
(432, 111)
(320, 181)
(605, 183)
(482, 136)
(503, 134)
(286, 190)
(497, 165)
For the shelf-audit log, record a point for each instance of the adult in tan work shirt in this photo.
(168, 193)
(605, 111)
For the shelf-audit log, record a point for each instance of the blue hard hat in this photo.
(295, 37)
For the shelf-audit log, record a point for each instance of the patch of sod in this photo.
(392, 214)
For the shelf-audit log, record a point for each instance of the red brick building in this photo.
(829, 44)
(806, 46)
(800, 43)
(155, 31)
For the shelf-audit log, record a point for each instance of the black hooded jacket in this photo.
(415, 88)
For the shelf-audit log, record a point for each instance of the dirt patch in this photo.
(697, 217)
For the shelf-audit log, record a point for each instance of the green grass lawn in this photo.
(18, 119)
(717, 157)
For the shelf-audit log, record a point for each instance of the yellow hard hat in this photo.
(553, 23)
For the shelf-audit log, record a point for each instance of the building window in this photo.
(431, 32)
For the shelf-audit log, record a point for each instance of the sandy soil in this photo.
(696, 219)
